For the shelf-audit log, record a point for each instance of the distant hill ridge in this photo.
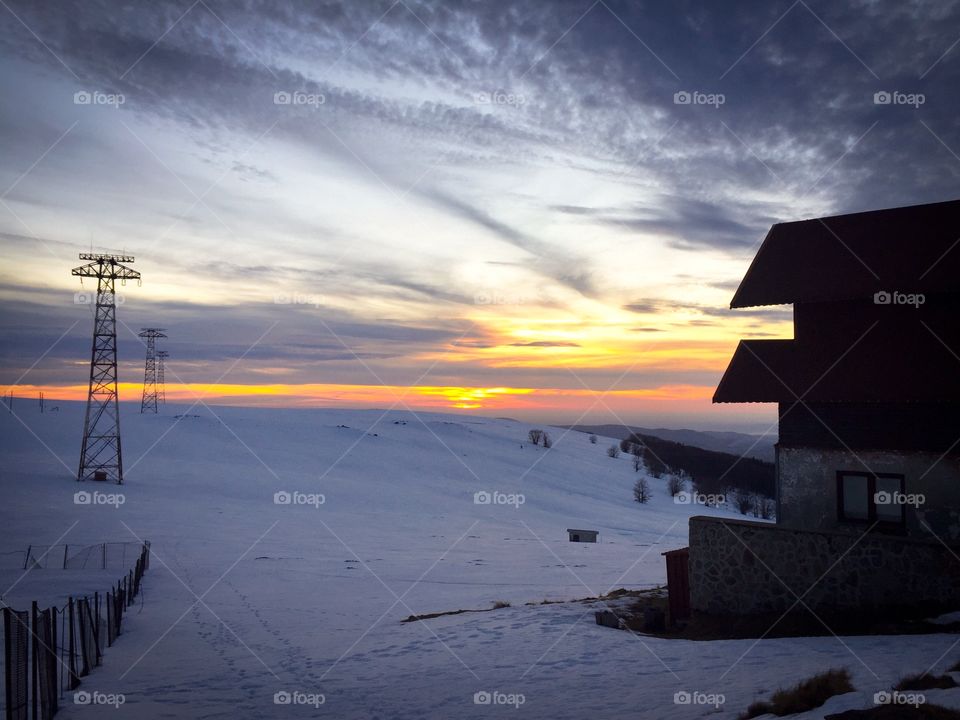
(734, 443)
(712, 471)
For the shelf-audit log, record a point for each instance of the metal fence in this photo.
(102, 556)
(41, 663)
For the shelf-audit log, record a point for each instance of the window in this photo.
(870, 497)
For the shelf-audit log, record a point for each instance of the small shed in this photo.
(585, 536)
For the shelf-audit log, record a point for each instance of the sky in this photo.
(525, 209)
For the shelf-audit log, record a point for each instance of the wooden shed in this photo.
(585, 536)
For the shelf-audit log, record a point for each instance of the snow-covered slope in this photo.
(249, 595)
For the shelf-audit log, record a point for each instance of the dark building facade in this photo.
(869, 387)
(868, 391)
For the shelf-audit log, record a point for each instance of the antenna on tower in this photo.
(148, 402)
(100, 456)
(162, 355)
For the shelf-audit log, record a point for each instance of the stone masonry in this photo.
(740, 567)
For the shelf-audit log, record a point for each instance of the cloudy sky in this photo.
(530, 209)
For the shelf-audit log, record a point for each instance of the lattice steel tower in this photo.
(100, 456)
(162, 355)
(148, 402)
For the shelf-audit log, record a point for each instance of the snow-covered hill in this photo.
(288, 545)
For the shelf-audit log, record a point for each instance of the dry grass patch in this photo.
(807, 695)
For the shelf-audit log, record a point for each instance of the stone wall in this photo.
(807, 488)
(741, 567)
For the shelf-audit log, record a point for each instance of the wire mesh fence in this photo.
(102, 556)
(47, 652)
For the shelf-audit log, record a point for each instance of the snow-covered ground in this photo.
(247, 597)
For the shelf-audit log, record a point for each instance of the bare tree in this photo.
(613, 451)
(742, 501)
(535, 436)
(637, 452)
(547, 440)
(768, 508)
(641, 490)
(593, 439)
(676, 483)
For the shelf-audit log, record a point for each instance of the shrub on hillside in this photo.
(742, 501)
(641, 490)
(807, 695)
(613, 451)
(676, 483)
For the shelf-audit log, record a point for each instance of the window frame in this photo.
(872, 478)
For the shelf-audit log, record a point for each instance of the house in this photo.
(586, 536)
(868, 398)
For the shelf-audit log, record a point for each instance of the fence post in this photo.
(8, 670)
(53, 636)
(66, 547)
(34, 645)
(96, 623)
(109, 620)
(16, 629)
(74, 679)
(26, 560)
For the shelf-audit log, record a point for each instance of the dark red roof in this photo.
(875, 370)
(907, 249)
